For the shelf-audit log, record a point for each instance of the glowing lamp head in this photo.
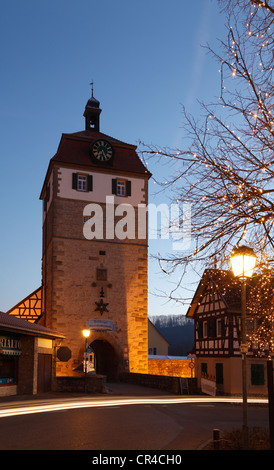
(243, 261)
(86, 333)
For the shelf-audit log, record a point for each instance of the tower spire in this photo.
(92, 112)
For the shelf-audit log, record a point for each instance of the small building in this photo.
(216, 310)
(159, 362)
(27, 356)
(157, 343)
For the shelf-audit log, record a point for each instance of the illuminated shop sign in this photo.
(10, 346)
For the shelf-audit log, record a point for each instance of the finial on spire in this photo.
(91, 83)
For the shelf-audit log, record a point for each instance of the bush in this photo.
(232, 440)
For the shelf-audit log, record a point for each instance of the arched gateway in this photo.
(106, 359)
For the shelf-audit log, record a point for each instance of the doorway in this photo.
(106, 359)
(220, 377)
(44, 373)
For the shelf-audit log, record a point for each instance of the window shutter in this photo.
(200, 329)
(74, 180)
(128, 188)
(223, 327)
(211, 327)
(90, 183)
(114, 186)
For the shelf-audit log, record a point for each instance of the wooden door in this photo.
(44, 373)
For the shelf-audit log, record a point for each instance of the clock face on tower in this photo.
(102, 151)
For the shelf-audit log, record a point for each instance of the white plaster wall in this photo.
(102, 186)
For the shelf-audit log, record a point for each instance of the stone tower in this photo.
(94, 260)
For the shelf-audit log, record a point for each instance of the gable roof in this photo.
(151, 324)
(225, 284)
(30, 308)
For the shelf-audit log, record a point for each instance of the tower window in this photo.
(82, 182)
(121, 187)
(101, 274)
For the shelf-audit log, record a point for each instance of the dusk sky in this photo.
(146, 60)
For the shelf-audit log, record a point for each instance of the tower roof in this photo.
(92, 112)
(74, 148)
(93, 103)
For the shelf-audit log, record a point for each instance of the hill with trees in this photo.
(178, 331)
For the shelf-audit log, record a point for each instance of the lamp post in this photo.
(86, 334)
(243, 261)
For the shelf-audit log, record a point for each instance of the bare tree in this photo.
(226, 168)
(260, 310)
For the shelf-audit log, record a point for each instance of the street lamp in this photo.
(243, 262)
(86, 334)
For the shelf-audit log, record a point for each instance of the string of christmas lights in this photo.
(226, 168)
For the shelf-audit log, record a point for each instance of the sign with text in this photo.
(101, 325)
(10, 346)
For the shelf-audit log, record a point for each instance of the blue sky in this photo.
(146, 59)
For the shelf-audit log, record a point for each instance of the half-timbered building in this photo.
(216, 310)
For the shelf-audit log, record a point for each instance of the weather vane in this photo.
(91, 83)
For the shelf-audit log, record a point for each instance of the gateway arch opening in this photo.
(106, 359)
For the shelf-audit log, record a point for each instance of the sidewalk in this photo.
(125, 389)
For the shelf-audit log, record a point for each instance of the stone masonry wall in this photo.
(70, 264)
(170, 367)
(73, 291)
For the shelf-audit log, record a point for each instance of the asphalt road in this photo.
(119, 422)
(142, 427)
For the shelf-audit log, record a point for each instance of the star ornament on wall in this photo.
(101, 306)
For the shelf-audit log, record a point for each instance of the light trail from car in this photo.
(53, 406)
